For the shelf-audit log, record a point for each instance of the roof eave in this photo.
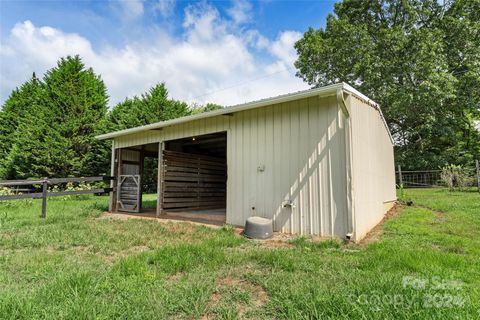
(323, 91)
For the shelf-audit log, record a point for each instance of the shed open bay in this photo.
(317, 162)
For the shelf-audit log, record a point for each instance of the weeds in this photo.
(456, 177)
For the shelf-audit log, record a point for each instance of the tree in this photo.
(418, 59)
(54, 134)
(21, 102)
(151, 107)
(205, 108)
(48, 126)
(39, 150)
(78, 98)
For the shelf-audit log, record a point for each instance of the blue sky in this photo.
(220, 51)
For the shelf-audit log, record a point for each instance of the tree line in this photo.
(419, 59)
(48, 125)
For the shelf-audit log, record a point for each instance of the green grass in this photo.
(149, 201)
(73, 265)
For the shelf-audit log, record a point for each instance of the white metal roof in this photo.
(322, 91)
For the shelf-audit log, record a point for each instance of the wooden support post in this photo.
(113, 173)
(140, 172)
(118, 174)
(114, 183)
(44, 197)
(400, 178)
(159, 212)
(477, 162)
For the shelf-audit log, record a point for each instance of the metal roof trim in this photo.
(322, 91)
(361, 96)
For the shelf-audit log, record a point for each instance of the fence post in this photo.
(477, 162)
(400, 178)
(44, 198)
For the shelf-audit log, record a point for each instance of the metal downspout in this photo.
(348, 153)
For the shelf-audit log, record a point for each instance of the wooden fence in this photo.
(45, 182)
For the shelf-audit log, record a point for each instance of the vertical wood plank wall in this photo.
(289, 151)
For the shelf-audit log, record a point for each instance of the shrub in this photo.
(4, 191)
(455, 177)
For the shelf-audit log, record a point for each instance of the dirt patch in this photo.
(256, 292)
(261, 296)
(112, 256)
(183, 230)
(186, 230)
(161, 219)
(175, 276)
(377, 231)
(278, 240)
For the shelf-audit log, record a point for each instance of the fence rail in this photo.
(53, 181)
(45, 182)
(433, 178)
(419, 179)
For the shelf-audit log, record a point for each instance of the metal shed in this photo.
(317, 162)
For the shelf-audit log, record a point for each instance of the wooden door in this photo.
(129, 182)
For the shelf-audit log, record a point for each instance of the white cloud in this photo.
(165, 7)
(129, 9)
(241, 11)
(202, 23)
(256, 39)
(208, 63)
(283, 47)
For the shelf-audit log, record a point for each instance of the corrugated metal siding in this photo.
(373, 166)
(301, 145)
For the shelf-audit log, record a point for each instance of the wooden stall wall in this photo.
(193, 182)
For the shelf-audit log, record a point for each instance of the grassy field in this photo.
(424, 263)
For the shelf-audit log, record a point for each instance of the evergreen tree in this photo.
(151, 107)
(21, 102)
(49, 127)
(78, 98)
(39, 150)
